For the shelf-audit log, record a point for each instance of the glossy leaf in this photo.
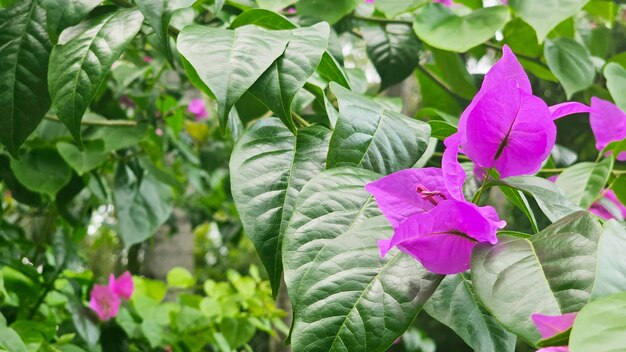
(616, 83)
(262, 18)
(280, 83)
(600, 326)
(42, 170)
(518, 199)
(441, 28)
(583, 182)
(24, 52)
(268, 167)
(237, 51)
(275, 5)
(394, 50)
(545, 15)
(158, 14)
(453, 71)
(61, 14)
(329, 11)
(392, 8)
(340, 287)
(369, 136)
(86, 160)
(611, 271)
(454, 304)
(82, 59)
(330, 69)
(559, 263)
(571, 64)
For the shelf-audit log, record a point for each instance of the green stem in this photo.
(119, 123)
(479, 194)
(300, 119)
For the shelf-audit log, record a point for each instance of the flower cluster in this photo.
(106, 299)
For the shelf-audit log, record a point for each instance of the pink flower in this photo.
(554, 349)
(608, 123)
(159, 132)
(123, 285)
(445, 2)
(147, 59)
(104, 302)
(369, 1)
(197, 107)
(551, 325)
(602, 207)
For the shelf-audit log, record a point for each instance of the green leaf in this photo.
(616, 83)
(545, 15)
(61, 14)
(82, 59)
(600, 326)
(180, 277)
(329, 11)
(18, 191)
(269, 166)
(341, 290)
(611, 271)
(548, 196)
(237, 331)
(244, 54)
(392, 8)
(394, 50)
(85, 327)
(560, 339)
(142, 205)
(277, 87)
(120, 137)
(583, 182)
(158, 14)
(454, 73)
(42, 170)
(518, 199)
(371, 137)
(603, 9)
(441, 129)
(330, 69)
(262, 18)
(521, 38)
(11, 341)
(83, 161)
(559, 264)
(441, 28)
(454, 304)
(571, 64)
(275, 5)
(24, 52)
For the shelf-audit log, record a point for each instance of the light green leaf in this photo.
(158, 14)
(545, 15)
(441, 28)
(600, 326)
(61, 14)
(611, 271)
(329, 11)
(237, 331)
(24, 52)
(86, 160)
(262, 18)
(244, 54)
(82, 59)
(392, 8)
(269, 166)
(180, 277)
(454, 304)
(371, 137)
(341, 290)
(11, 341)
(616, 83)
(42, 170)
(275, 5)
(571, 64)
(521, 38)
(559, 264)
(583, 182)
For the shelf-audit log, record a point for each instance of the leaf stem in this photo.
(479, 194)
(118, 123)
(300, 119)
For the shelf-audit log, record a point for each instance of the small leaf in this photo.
(571, 64)
(616, 83)
(83, 161)
(61, 14)
(599, 327)
(545, 15)
(180, 277)
(82, 59)
(158, 14)
(583, 182)
(329, 11)
(42, 170)
(441, 28)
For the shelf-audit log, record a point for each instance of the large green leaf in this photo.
(551, 273)
(454, 72)
(342, 291)
(545, 15)
(142, 205)
(550, 198)
(441, 28)
(571, 64)
(600, 326)
(83, 160)
(370, 136)
(61, 14)
(391, 8)
(455, 305)
(269, 166)
(521, 37)
(82, 59)
(158, 14)
(42, 170)
(394, 50)
(616, 83)
(243, 55)
(330, 11)
(583, 182)
(611, 270)
(277, 87)
(24, 52)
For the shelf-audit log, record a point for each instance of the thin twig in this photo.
(116, 123)
(300, 119)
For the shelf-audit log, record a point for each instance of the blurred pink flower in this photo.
(197, 107)
(123, 285)
(159, 132)
(601, 207)
(147, 59)
(104, 302)
(445, 2)
(291, 10)
(369, 1)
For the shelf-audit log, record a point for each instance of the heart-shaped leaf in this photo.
(583, 182)
(370, 136)
(545, 15)
(86, 160)
(551, 273)
(441, 28)
(616, 83)
(42, 170)
(82, 59)
(600, 327)
(158, 14)
(571, 64)
(24, 52)
(342, 291)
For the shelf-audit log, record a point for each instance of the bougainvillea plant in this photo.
(460, 158)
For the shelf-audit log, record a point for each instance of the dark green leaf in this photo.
(330, 69)
(158, 14)
(571, 64)
(87, 329)
(518, 199)
(454, 72)
(42, 170)
(269, 166)
(369, 136)
(24, 52)
(441, 129)
(18, 191)
(611, 271)
(583, 182)
(521, 38)
(455, 305)
(560, 339)
(441, 28)
(330, 11)
(544, 15)
(119, 137)
(61, 14)
(82, 60)
(616, 83)
(600, 326)
(86, 160)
